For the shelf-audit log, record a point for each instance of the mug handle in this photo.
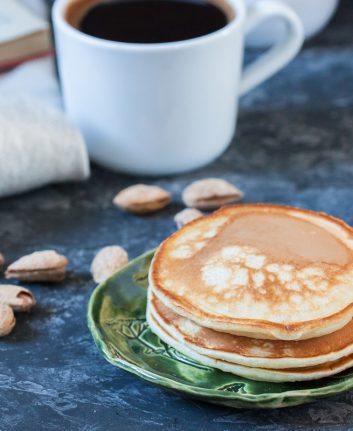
(282, 52)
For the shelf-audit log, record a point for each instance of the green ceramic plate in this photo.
(116, 318)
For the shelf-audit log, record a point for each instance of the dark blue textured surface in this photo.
(294, 145)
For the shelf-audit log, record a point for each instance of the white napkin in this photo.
(35, 79)
(38, 144)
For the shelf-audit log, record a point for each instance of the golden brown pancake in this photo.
(262, 271)
(275, 354)
(264, 374)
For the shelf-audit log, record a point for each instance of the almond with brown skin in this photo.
(42, 266)
(108, 261)
(7, 319)
(141, 199)
(186, 216)
(18, 298)
(211, 193)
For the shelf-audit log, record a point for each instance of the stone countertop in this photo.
(294, 145)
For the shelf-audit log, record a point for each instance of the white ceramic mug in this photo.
(314, 15)
(164, 108)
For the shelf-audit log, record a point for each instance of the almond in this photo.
(210, 193)
(108, 261)
(18, 298)
(187, 215)
(2, 259)
(7, 319)
(46, 265)
(142, 198)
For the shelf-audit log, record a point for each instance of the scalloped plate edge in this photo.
(201, 393)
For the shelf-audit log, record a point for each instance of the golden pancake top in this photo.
(265, 271)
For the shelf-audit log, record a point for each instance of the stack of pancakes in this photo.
(261, 291)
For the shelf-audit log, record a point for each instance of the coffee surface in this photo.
(152, 21)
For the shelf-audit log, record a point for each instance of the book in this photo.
(23, 34)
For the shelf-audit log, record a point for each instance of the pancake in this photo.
(260, 374)
(275, 354)
(262, 271)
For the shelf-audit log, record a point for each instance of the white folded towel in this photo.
(38, 144)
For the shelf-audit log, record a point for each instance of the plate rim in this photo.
(171, 384)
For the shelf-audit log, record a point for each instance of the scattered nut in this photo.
(210, 193)
(7, 319)
(2, 260)
(46, 265)
(18, 298)
(107, 261)
(187, 215)
(141, 199)
(13, 298)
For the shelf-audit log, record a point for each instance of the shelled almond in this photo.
(18, 298)
(41, 266)
(186, 216)
(142, 198)
(210, 193)
(107, 261)
(13, 298)
(7, 319)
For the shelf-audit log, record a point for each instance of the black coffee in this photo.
(152, 21)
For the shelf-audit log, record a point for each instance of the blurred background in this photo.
(30, 88)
